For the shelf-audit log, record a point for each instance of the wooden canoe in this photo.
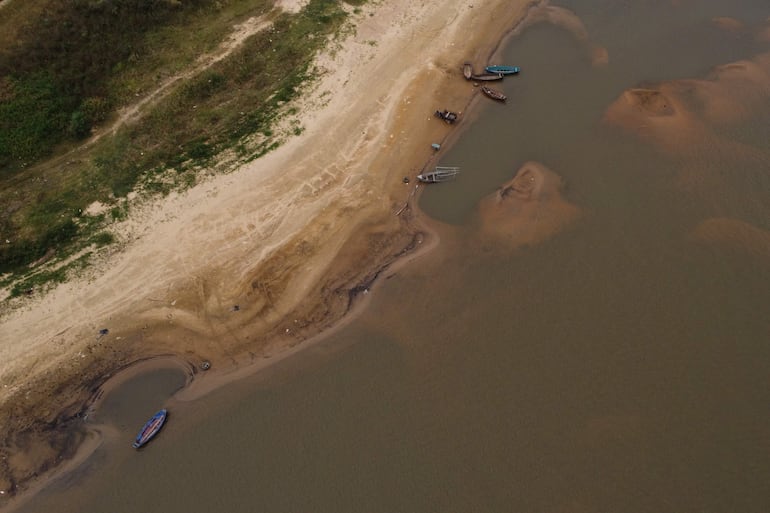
(440, 174)
(150, 429)
(487, 77)
(494, 94)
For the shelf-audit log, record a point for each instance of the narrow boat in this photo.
(467, 70)
(150, 429)
(487, 77)
(440, 174)
(505, 70)
(494, 94)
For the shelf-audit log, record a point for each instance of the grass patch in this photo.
(46, 279)
(24, 252)
(102, 239)
(76, 61)
(43, 279)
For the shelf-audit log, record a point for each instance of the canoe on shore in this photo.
(150, 429)
(467, 70)
(487, 77)
(494, 94)
(440, 174)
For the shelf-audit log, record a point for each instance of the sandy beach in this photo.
(249, 265)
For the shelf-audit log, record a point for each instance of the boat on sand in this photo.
(494, 93)
(150, 429)
(467, 70)
(487, 77)
(440, 174)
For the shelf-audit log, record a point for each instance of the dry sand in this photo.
(291, 238)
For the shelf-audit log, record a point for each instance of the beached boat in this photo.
(447, 115)
(440, 174)
(467, 70)
(494, 94)
(487, 77)
(505, 70)
(150, 429)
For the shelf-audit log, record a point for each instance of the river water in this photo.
(620, 365)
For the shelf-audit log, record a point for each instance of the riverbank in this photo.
(250, 265)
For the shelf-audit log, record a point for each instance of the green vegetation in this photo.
(56, 76)
(66, 66)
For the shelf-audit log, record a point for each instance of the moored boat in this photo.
(505, 70)
(494, 94)
(487, 77)
(150, 429)
(440, 174)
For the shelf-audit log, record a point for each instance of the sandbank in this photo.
(251, 265)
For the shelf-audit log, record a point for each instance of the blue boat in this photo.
(503, 70)
(150, 429)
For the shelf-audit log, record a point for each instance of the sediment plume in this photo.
(764, 32)
(733, 233)
(733, 92)
(682, 118)
(728, 24)
(657, 113)
(526, 210)
(569, 21)
(678, 116)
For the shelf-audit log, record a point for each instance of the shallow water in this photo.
(618, 366)
(134, 401)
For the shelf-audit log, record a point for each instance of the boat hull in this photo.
(505, 70)
(150, 429)
(440, 174)
(494, 94)
(487, 77)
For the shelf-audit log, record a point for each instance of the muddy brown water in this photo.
(618, 366)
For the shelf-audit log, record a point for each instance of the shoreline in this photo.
(280, 348)
(199, 383)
